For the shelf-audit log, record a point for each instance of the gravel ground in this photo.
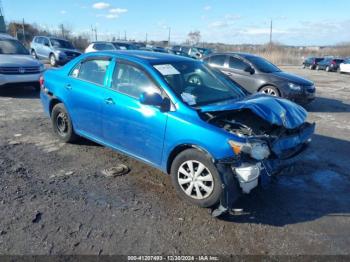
(55, 200)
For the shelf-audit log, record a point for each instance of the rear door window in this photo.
(92, 70)
(217, 60)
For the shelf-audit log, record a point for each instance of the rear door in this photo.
(85, 87)
(128, 125)
(45, 48)
(235, 69)
(39, 47)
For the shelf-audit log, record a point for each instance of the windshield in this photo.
(61, 43)
(197, 84)
(12, 47)
(262, 64)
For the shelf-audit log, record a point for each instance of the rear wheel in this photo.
(328, 69)
(33, 53)
(196, 178)
(270, 90)
(62, 124)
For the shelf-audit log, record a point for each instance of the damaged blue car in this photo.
(180, 116)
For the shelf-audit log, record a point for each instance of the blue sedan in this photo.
(180, 116)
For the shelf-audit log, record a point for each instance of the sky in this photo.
(295, 22)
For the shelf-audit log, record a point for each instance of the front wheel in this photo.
(62, 124)
(328, 69)
(196, 178)
(270, 90)
(53, 61)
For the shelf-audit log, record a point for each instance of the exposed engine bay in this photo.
(243, 123)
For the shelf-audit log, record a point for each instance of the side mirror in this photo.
(153, 99)
(249, 69)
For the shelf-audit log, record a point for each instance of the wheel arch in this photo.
(54, 101)
(180, 148)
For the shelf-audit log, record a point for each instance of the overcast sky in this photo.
(295, 22)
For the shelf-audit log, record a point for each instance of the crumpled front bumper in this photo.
(239, 176)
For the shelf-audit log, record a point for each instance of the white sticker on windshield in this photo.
(189, 98)
(166, 70)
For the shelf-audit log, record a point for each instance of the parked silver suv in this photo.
(57, 51)
(17, 66)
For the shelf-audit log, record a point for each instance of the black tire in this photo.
(53, 61)
(328, 69)
(195, 155)
(270, 90)
(311, 67)
(62, 124)
(318, 68)
(33, 53)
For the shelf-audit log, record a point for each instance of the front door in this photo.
(128, 125)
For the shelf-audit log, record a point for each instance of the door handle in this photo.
(68, 86)
(109, 101)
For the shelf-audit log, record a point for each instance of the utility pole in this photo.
(125, 35)
(2, 20)
(169, 36)
(146, 38)
(23, 31)
(62, 30)
(94, 32)
(271, 33)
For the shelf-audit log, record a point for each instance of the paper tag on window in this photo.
(188, 98)
(166, 70)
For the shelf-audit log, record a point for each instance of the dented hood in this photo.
(277, 111)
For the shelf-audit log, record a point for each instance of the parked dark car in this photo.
(180, 116)
(154, 49)
(256, 74)
(58, 51)
(311, 62)
(329, 64)
(205, 51)
(190, 51)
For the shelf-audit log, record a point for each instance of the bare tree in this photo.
(194, 37)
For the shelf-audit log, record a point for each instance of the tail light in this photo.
(41, 81)
(334, 63)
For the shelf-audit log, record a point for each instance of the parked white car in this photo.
(17, 66)
(345, 66)
(100, 46)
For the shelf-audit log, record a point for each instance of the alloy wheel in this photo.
(195, 179)
(269, 91)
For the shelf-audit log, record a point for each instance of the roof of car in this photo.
(150, 57)
(6, 36)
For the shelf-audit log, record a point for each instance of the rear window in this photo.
(318, 59)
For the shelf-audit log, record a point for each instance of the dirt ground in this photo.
(54, 199)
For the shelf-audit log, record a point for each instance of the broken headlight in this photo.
(258, 150)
